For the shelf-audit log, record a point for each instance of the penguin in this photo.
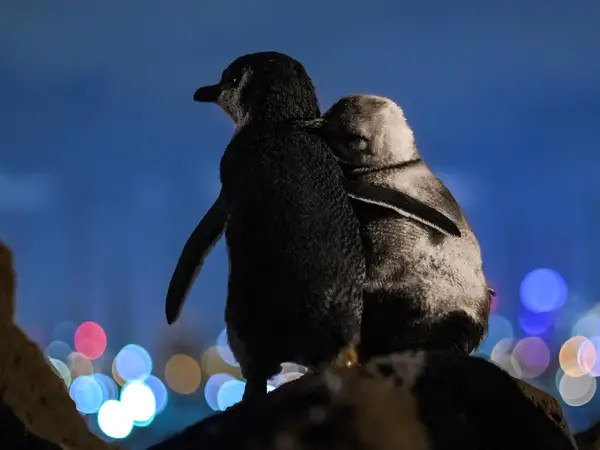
(29, 385)
(294, 245)
(425, 286)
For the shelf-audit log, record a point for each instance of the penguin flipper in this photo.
(202, 240)
(403, 204)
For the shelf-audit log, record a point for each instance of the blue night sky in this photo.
(106, 163)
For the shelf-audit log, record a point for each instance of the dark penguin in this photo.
(425, 285)
(294, 244)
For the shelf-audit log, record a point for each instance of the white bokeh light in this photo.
(139, 401)
(114, 419)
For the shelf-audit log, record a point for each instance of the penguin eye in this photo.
(357, 143)
(231, 79)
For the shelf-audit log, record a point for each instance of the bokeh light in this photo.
(534, 323)
(502, 356)
(110, 390)
(595, 372)
(498, 328)
(543, 290)
(58, 350)
(133, 362)
(86, 393)
(92, 423)
(212, 362)
(224, 349)
(139, 401)
(62, 370)
(90, 340)
(120, 381)
(587, 326)
(577, 356)
(212, 386)
(159, 390)
(64, 331)
(105, 362)
(557, 377)
(577, 391)
(79, 365)
(183, 374)
(114, 419)
(532, 356)
(230, 393)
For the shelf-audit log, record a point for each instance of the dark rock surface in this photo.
(411, 400)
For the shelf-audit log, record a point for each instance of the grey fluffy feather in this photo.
(424, 288)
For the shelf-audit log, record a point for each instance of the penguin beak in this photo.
(208, 94)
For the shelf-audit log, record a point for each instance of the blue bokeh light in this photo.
(230, 393)
(498, 328)
(587, 326)
(64, 331)
(161, 395)
(58, 350)
(86, 393)
(543, 290)
(109, 388)
(534, 323)
(212, 387)
(224, 350)
(133, 363)
(595, 372)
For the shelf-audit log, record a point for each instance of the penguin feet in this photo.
(255, 388)
(347, 357)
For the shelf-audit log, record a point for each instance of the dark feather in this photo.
(202, 240)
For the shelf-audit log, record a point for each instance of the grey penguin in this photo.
(425, 288)
(294, 245)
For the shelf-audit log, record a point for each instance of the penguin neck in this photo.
(285, 105)
(362, 170)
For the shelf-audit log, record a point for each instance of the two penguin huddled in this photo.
(297, 245)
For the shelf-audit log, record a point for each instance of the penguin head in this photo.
(264, 87)
(367, 130)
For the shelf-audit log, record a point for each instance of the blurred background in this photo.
(106, 166)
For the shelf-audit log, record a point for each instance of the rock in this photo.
(590, 438)
(30, 387)
(410, 400)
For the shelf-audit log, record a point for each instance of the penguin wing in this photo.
(202, 240)
(403, 204)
